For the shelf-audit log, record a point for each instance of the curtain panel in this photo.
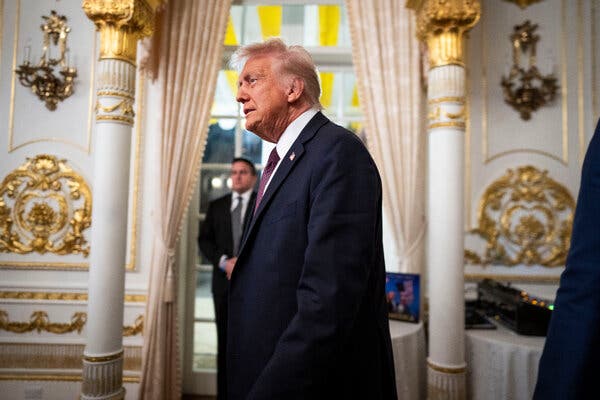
(387, 61)
(184, 58)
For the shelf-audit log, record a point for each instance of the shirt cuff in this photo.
(222, 262)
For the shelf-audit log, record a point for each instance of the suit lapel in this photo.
(293, 156)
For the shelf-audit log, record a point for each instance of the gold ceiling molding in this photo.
(121, 23)
(64, 296)
(45, 206)
(523, 3)
(39, 321)
(525, 218)
(442, 25)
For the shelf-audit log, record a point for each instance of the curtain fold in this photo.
(387, 63)
(188, 49)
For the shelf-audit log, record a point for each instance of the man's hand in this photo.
(229, 265)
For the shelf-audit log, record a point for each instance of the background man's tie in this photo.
(236, 225)
(271, 163)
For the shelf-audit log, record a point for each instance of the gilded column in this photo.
(120, 23)
(442, 24)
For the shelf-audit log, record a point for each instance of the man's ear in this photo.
(295, 89)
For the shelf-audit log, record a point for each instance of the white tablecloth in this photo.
(408, 344)
(501, 364)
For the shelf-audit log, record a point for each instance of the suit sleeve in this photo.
(572, 349)
(207, 237)
(344, 233)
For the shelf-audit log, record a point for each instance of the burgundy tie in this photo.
(271, 163)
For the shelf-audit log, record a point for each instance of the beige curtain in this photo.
(189, 44)
(387, 63)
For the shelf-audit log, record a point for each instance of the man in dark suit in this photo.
(308, 314)
(219, 241)
(569, 364)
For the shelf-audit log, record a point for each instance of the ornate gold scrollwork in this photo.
(39, 322)
(525, 217)
(135, 329)
(51, 207)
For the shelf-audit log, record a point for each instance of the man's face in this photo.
(263, 96)
(241, 177)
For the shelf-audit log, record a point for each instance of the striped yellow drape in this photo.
(270, 20)
(230, 37)
(329, 24)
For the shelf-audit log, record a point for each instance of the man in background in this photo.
(307, 308)
(569, 363)
(219, 241)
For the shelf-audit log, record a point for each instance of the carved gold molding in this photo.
(39, 321)
(523, 3)
(442, 25)
(121, 23)
(65, 296)
(136, 328)
(124, 109)
(45, 206)
(525, 218)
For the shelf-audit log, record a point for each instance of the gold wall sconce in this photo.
(41, 78)
(526, 90)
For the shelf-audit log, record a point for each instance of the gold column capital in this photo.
(442, 25)
(121, 23)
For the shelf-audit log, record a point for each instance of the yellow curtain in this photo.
(270, 20)
(329, 26)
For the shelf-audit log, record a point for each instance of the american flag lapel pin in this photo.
(292, 156)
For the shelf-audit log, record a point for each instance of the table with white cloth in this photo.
(408, 344)
(501, 364)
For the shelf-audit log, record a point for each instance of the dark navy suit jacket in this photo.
(307, 312)
(570, 362)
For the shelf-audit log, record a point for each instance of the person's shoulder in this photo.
(221, 200)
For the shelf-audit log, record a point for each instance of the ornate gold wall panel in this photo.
(525, 218)
(45, 206)
(39, 321)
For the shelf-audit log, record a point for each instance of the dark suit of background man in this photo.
(570, 362)
(307, 310)
(219, 240)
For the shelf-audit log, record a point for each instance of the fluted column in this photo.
(442, 24)
(121, 23)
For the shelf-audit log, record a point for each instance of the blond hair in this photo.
(294, 61)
